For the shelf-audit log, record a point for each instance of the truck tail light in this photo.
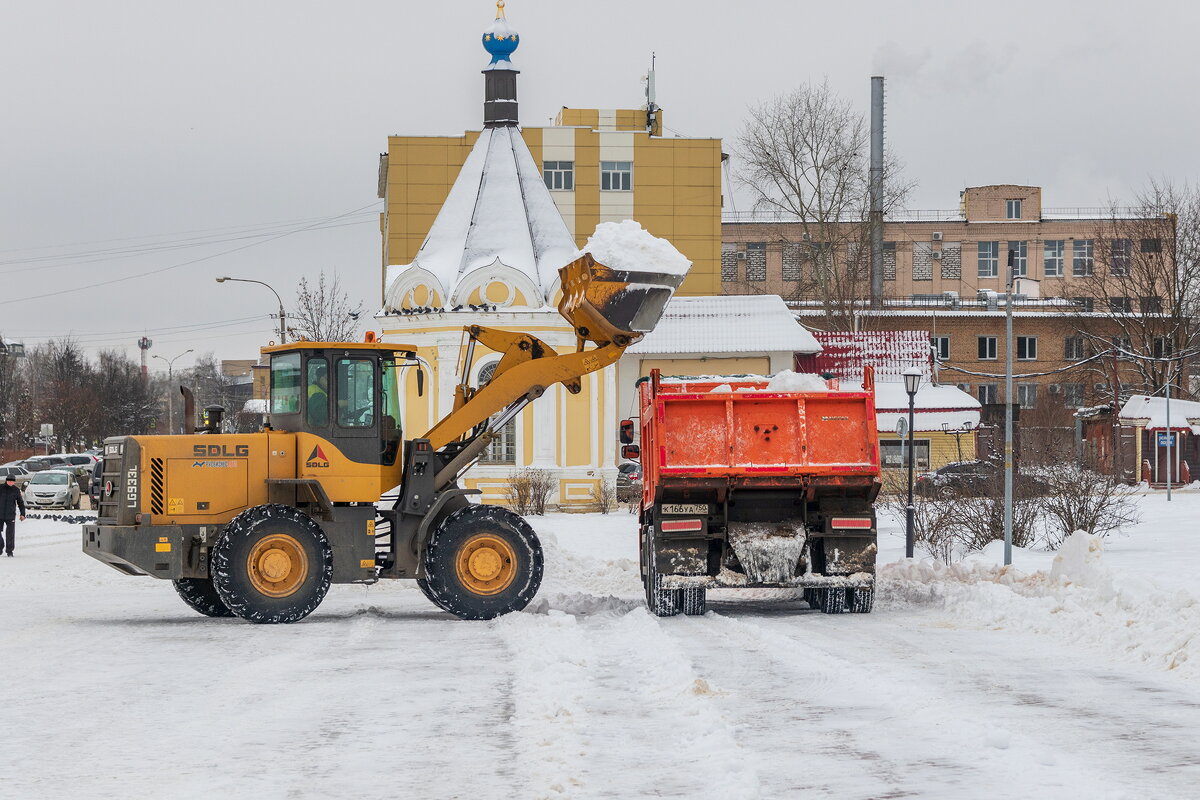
(681, 525)
(851, 523)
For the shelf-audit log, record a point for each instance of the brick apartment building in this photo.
(1080, 289)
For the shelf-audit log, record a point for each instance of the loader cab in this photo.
(344, 393)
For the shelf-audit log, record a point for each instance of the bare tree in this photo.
(62, 390)
(805, 155)
(1145, 276)
(323, 313)
(1082, 500)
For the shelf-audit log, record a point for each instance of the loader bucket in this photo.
(608, 305)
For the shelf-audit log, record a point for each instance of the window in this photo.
(559, 175)
(987, 348)
(756, 261)
(355, 393)
(1082, 258)
(1026, 348)
(1122, 253)
(989, 259)
(989, 393)
(1151, 305)
(1151, 245)
(1163, 347)
(1052, 264)
(616, 176)
(1073, 348)
(1086, 304)
(941, 347)
(729, 261)
(1027, 395)
(791, 262)
(1012, 209)
(1120, 305)
(1020, 256)
(285, 384)
(893, 453)
(503, 449)
(1073, 395)
(316, 379)
(1123, 343)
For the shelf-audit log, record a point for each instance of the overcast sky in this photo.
(156, 145)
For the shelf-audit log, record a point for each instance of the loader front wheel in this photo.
(272, 564)
(200, 595)
(482, 562)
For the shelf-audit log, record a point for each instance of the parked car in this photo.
(96, 484)
(52, 488)
(17, 471)
(39, 463)
(974, 479)
(78, 459)
(629, 482)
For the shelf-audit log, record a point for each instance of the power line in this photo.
(174, 266)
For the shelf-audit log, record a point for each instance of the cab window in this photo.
(317, 380)
(355, 393)
(285, 384)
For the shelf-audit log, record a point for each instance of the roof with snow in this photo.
(933, 405)
(1185, 414)
(726, 324)
(498, 222)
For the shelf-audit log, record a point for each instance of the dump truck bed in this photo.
(740, 431)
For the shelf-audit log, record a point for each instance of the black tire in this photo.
(862, 600)
(423, 585)
(246, 590)
(813, 598)
(201, 596)
(833, 601)
(693, 601)
(513, 550)
(661, 601)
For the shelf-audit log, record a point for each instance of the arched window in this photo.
(502, 450)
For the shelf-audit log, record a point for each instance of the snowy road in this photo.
(113, 688)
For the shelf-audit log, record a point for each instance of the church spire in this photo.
(500, 78)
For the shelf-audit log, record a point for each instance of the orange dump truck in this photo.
(758, 483)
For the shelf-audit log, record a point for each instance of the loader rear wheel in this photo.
(272, 564)
(481, 562)
(201, 596)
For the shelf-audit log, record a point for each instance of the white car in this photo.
(52, 488)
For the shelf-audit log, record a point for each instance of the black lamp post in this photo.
(912, 380)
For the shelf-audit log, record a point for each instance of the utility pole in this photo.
(1170, 463)
(170, 395)
(876, 190)
(1008, 415)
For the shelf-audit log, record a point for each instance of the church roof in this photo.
(727, 324)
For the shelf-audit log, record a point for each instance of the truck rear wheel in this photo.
(272, 564)
(661, 602)
(862, 599)
(200, 595)
(481, 562)
(693, 601)
(833, 601)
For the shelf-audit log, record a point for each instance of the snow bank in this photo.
(255, 405)
(628, 246)
(1076, 600)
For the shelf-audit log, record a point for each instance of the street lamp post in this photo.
(282, 317)
(912, 380)
(170, 394)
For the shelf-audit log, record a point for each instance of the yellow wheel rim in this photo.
(277, 565)
(486, 564)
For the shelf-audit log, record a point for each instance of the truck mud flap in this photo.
(769, 552)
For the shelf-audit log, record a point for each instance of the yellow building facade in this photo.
(674, 185)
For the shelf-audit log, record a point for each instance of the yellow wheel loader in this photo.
(259, 525)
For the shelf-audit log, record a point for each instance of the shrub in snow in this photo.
(528, 490)
(1082, 500)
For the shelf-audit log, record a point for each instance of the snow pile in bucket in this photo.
(788, 381)
(628, 246)
(1076, 600)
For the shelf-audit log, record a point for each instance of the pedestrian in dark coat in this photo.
(10, 501)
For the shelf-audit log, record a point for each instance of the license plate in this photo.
(685, 508)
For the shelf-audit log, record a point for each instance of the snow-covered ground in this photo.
(1080, 679)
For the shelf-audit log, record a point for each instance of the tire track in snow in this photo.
(606, 706)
